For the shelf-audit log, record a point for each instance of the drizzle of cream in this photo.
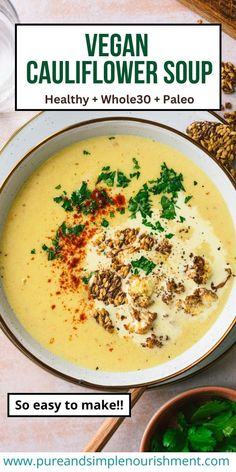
(199, 240)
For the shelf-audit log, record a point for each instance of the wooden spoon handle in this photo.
(109, 426)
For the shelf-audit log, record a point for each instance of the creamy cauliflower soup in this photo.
(117, 253)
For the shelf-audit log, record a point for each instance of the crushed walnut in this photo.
(102, 317)
(106, 287)
(164, 247)
(228, 77)
(218, 138)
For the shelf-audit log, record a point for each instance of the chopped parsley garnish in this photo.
(58, 199)
(121, 210)
(182, 219)
(144, 264)
(186, 200)
(168, 208)
(33, 251)
(51, 252)
(58, 187)
(84, 201)
(112, 214)
(86, 153)
(156, 226)
(141, 203)
(169, 235)
(136, 170)
(105, 196)
(88, 207)
(136, 164)
(205, 428)
(112, 137)
(108, 177)
(66, 202)
(67, 205)
(105, 223)
(168, 182)
(122, 180)
(76, 230)
(135, 174)
(63, 228)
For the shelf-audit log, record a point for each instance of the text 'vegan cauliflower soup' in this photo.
(117, 253)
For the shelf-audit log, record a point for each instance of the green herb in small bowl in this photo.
(200, 420)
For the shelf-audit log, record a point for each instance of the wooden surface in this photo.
(109, 426)
(212, 15)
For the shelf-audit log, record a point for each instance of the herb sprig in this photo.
(154, 226)
(141, 203)
(118, 178)
(83, 200)
(136, 169)
(53, 251)
(207, 428)
(168, 182)
(144, 264)
(168, 208)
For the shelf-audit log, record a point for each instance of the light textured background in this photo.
(17, 373)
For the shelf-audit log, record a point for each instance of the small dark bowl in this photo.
(166, 416)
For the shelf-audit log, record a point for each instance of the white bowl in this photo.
(189, 359)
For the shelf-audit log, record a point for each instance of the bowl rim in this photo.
(3, 324)
(217, 390)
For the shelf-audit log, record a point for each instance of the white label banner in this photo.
(118, 67)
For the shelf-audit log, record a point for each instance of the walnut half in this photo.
(102, 317)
